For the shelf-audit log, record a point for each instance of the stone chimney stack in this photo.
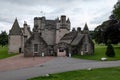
(73, 29)
(79, 29)
(25, 23)
(63, 19)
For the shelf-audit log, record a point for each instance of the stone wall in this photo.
(29, 46)
(60, 33)
(15, 43)
(49, 36)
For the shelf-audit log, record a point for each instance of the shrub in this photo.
(110, 51)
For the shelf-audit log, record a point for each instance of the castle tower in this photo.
(39, 23)
(63, 27)
(15, 38)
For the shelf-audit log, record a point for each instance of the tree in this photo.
(116, 11)
(108, 30)
(110, 51)
(3, 38)
(112, 33)
(98, 36)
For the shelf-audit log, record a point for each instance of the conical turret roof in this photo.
(68, 20)
(16, 30)
(86, 27)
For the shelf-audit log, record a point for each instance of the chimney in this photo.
(79, 29)
(63, 19)
(25, 23)
(73, 30)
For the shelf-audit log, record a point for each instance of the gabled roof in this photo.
(77, 40)
(32, 37)
(73, 38)
(16, 30)
(68, 38)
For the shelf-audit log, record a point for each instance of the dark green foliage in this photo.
(110, 29)
(98, 36)
(3, 38)
(112, 33)
(116, 11)
(92, 34)
(110, 51)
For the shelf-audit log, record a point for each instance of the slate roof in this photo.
(77, 40)
(68, 38)
(16, 30)
(73, 38)
(33, 38)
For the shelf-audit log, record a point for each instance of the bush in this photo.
(110, 51)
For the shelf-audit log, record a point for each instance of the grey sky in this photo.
(94, 12)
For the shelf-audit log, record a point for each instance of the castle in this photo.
(49, 38)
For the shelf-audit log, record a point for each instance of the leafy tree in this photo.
(112, 33)
(3, 38)
(99, 36)
(92, 34)
(116, 11)
(108, 30)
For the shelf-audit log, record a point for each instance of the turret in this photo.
(15, 38)
(86, 30)
(57, 19)
(68, 20)
(16, 30)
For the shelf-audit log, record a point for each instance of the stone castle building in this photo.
(50, 38)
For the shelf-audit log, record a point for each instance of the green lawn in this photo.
(95, 74)
(4, 53)
(100, 52)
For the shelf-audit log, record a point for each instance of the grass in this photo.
(95, 74)
(4, 53)
(100, 52)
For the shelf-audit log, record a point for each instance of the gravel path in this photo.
(58, 64)
(19, 62)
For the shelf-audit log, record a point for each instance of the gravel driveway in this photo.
(55, 65)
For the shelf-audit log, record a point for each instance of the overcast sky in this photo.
(94, 12)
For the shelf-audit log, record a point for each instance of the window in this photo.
(61, 50)
(35, 47)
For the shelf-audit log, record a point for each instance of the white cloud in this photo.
(94, 12)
